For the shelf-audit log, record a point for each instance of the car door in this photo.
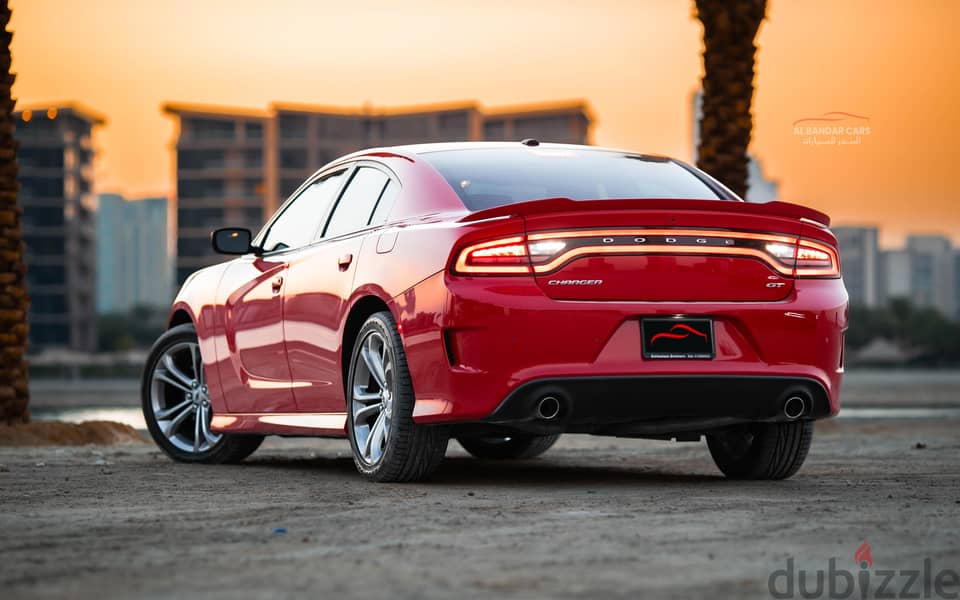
(319, 284)
(251, 293)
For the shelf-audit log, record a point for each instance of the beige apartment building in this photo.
(234, 167)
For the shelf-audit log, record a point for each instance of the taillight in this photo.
(786, 254)
(543, 251)
(506, 255)
(808, 258)
(816, 260)
(510, 255)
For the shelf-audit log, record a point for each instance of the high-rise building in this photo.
(924, 273)
(55, 160)
(557, 123)
(894, 275)
(931, 272)
(759, 188)
(234, 167)
(860, 262)
(220, 180)
(133, 266)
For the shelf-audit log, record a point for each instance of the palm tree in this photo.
(13, 295)
(729, 30)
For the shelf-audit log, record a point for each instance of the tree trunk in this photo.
(13, 297)
(729, 30)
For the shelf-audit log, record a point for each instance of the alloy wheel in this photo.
(180, 399)
(372, 397)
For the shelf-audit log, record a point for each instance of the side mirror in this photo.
(232, 240)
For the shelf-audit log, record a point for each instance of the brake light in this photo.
(816, 260)
(812, 254)
(503, 256)
(809, 258)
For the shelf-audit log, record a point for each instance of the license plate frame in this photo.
(677, 338)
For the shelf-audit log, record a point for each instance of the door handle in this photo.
(344, 261)
(277, 284)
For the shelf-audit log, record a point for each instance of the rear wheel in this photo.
(387, 444)
(511, 447)
(176, 403)
(761, 450)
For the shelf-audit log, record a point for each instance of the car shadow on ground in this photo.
(470, 471)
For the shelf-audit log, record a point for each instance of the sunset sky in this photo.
(635, 62)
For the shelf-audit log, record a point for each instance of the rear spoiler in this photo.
(560, 205)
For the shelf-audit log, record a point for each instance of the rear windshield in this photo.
(489, 177)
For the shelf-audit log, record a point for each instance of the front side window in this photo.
(298, 223)
(354, 210)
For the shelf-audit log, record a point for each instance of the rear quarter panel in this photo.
(403, 262)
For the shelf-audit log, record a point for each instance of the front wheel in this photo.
(508, 448)
(176, 403)
(761, 450)
(387, 445)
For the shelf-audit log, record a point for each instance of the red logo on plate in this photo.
(685, 329)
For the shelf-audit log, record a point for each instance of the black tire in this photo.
(761, 450)
(508, 448)
(228, 449)
(411, 452)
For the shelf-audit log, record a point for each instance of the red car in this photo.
(503, 294)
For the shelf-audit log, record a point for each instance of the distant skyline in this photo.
(895, 64)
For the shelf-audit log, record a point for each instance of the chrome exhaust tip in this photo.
(548, 408)
(794, 407)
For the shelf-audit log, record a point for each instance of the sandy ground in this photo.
(595, 517)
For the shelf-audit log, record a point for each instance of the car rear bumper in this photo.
(480, 348)
(657, 405)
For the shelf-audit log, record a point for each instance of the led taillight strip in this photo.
(705, 233)
(662, 249)
(780, 267)
(788, 270)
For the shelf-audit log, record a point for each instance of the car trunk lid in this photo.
(663, 250)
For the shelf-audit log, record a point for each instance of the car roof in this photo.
(419, 149)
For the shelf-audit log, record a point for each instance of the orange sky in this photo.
(636, 62)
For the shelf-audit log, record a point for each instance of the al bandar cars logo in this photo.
(680, 331)
(834, 128)
(867, 582)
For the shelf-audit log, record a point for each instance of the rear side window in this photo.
(356, 204)
(490, 177)
(385, 204)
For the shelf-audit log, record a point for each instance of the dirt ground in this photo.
(57, 433)
(595, 517)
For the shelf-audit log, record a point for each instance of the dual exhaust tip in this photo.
(795, 407)
(548, 407)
